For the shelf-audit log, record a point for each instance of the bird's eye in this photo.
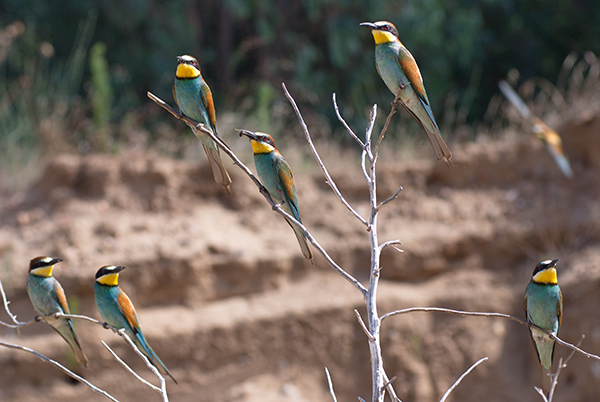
(386, 27)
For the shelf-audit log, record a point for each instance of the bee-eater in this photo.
(195, 100)
(118, 311)
(275, 174)
(543, 306)
(399, 71)
(48, 297)
(541, 130)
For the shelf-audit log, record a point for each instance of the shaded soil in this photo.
(234, 310)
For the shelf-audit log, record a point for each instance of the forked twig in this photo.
(561, 366)
(477, 363)
(328, 178)
(197, 126)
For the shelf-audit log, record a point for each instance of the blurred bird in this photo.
(48, 297)
(276, 175)
(541, 130)
(194, 98)
(543, 306)
(118, 311)
(398, 69)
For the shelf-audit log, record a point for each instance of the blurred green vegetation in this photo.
(50, 75)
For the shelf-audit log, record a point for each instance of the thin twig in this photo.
(330, 385)
(61, 367)
(196, 126)
(561, 366)
(392, 197)
(13, 317)
(136, 375)
(390, 389)
(499, 315)
(341, 119)
(390, 243)
(387, 120)
(363, 325)
(328, 178)
(477, 363)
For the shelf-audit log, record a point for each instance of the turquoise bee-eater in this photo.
(542, 131)
(276, 175)
(543, 306)
(399, 71)
(195, 100)
(48, 297)
(118, 311)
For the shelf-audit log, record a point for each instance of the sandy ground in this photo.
(226, 299)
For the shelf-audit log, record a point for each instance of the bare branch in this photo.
(61, 367)
(341, 119)
(390, 389)
(392, 197)
(136, 375)
(196, 126)
(477, 363)
(328, 178)
(330, 385)
(369, 132)
(561, 366)
(390, 243)
(499, 315)
(362, 324)
(13, 317)
(387, 120)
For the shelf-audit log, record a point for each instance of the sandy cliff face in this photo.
(231, 306)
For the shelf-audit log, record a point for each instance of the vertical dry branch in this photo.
(368, 164)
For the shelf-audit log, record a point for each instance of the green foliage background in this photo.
(247, 48)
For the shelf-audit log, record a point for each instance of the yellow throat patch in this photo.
(45, 272)
(547, 276)
(383, 37)
(261, 147)
(109, 280)
(187, 71)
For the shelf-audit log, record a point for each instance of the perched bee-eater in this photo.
(543, 306)
(541, 130)
(194, 98)
(48, 297)
(275, 174)
(399, 71)
(118, 311)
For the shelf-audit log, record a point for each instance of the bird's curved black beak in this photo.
(553, 263)
(55, 261)
(179, 60)
(248, 134)
(368, 24)
(118, 269)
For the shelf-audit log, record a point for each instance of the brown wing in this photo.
(128, 310)
(60, 295)
(409, 65)
(175, 96)
(209, 103)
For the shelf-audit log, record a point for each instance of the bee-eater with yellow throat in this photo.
(543, 306)
(118, 311)
(399, 71)
(195, 100)
(48, 297)
(276, 175)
